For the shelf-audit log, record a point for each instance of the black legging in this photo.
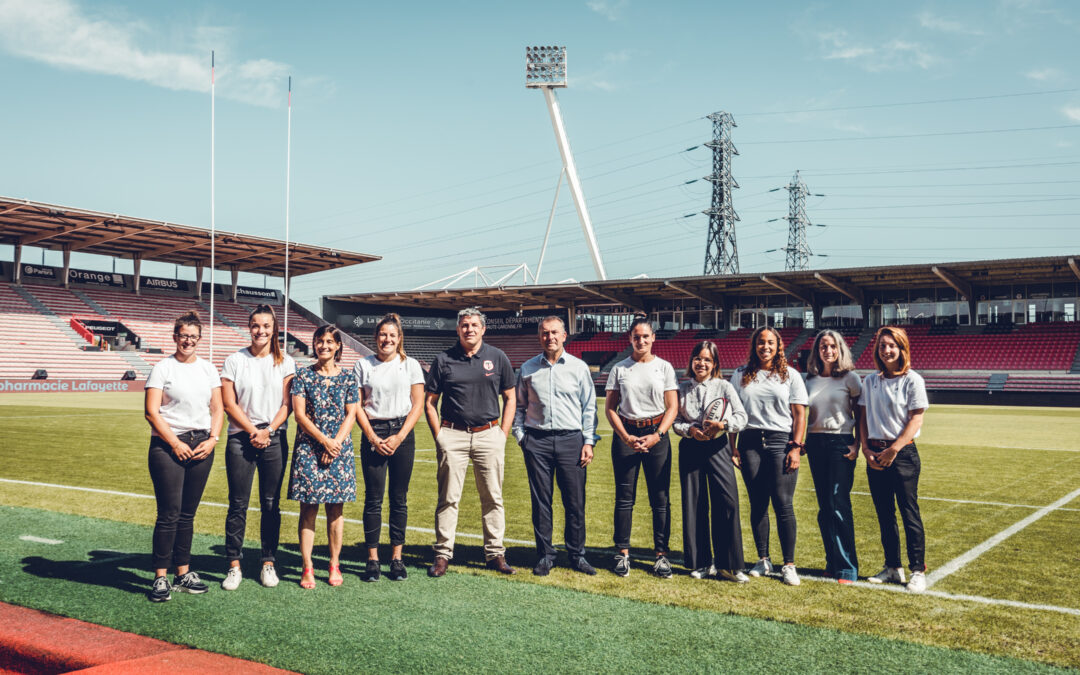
(899, 483)
(375, 467)
(707, 476)
(763, 453)
(241, 460)
(657, 463)
(178, 487)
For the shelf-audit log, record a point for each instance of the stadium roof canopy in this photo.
(67, 229)
(645, 294)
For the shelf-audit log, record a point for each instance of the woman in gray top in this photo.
(707, 469)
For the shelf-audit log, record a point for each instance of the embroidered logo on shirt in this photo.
(488, 365)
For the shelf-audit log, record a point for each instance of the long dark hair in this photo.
(275, 342)
(778, 365)
(332, 330)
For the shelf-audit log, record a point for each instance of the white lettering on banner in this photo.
(50, 386)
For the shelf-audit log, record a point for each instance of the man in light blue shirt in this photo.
(555, 425)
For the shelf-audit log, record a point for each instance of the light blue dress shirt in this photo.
(555, 397)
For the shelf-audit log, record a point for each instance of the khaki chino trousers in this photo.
(487, 450)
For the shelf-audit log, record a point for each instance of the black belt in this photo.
(396, 422)
(551, 432)
(196, 436)
(881, 445)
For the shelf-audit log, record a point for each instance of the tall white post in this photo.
(551, 217)
(213, 229)
(288, 169)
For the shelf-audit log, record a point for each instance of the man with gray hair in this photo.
(555, 425)
(470, 376)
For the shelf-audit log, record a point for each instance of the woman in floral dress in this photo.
(323, 469)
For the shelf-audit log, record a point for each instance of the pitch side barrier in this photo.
(67, 385)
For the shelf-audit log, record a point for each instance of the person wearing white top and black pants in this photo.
(391, 401)
(893, 402)
(770, 446)
(183, 406)
(641, 404)
(255, 385)
(833, 389)
(707, 470)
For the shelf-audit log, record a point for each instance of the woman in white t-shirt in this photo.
(642, 401)
(255, 389)
(183, 406)
(770, 446)
(893, 401)
(391, 401)
(833, 389)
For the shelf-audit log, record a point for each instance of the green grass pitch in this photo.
(984, 470)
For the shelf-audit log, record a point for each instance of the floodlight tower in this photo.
(798, 251)
(721, 255)
(545, 69)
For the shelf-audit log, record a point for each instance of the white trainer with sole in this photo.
(763, 567)
(268, 577)
(888, 575)
(917, 583)
(232, 579)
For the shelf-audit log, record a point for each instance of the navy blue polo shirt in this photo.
(470, 386)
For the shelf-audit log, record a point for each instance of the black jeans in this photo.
(899, 484)
(657, 464)
(833, 476)
(241, 461)
(556, 455)
(763, 454)
(178, 487)
(707, 476)
(375, 466)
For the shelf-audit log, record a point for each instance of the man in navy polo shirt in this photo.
(469, 377)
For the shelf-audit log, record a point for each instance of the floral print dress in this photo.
(327, 398)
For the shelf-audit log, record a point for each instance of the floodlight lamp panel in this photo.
(545, 66)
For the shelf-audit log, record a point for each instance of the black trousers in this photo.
(833, 476)
(375, 468)
(178, 487)
(242, 460)
(556, 455)
(707, 476)
(763, 453)
(657, 465)
(899, 484)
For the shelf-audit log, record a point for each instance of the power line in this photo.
(911, 103)
(934, 134)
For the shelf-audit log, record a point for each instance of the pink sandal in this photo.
(335, 569)
(308, 584)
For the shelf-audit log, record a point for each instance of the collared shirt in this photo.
(641, 386)
(888, 400)
(470, 385)
(768, 399)
(556, 397)
(695, 396)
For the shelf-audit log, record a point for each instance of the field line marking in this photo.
(971, 501)
(41, 540)
(41, 417)
(960, 561)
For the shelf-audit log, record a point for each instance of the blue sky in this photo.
(936, 131)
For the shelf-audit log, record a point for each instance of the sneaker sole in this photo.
(181, 589)
(165, 599)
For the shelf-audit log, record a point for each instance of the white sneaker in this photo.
(917, 583)
(888, 575)
(763, 567)
(704, 572)
(735, 576)
(232, 580)
(789, 575)
(268, 577)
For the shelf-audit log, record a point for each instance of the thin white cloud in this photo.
(61, 34)
(609, 9)
(1072, 112)
(621, 56)
(1044, 74)
(891, 55)
(934, 22)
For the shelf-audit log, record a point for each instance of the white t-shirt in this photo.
(767, 400)
(259, 385)
(641, 386)
(888, 400)
(185, 393)
(831, 407)
(386, 386)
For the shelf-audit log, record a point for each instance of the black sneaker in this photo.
(662, 568)
(160, 591)
(543, 566)
(582, 565)
(397, 571)
(372, 571)
(622, 565)
(189, 583)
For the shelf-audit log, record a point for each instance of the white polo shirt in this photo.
(888, 400)
(386, 385)
(186, 389)
(641, 386)
(259, 385)
(768, 400)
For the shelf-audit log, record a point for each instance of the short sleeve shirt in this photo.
(259, 384)
(831, 403)
(387, 385)
(641, 386)
(186, 389)
(888, 400)
(768, 400)
(470, 385)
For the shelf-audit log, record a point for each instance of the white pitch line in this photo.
(923, 498)
(41, 540)
(960, 561)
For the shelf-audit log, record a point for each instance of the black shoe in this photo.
(543, 566)
(189, 583)
(160, 591)
(622, 564)
(372, 571)
(662, 568)
(397, 571)
(582, 565)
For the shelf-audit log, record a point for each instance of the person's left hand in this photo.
(885, 457)
(853, 452)
(643, 443)
(203, 450)
(586, 455)
(714, 428)
(389, 445)
(792, 462)
(261, 438)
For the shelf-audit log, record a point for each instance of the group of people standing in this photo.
(474, 402)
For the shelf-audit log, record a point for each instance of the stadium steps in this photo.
(34, 302)
(997, 382)
(1075, 367)
(795, 345)
(63, 326)
(219, 316)
(90, 302)
(865, 338)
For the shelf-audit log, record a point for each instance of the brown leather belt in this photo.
(471, 430)
(878, 443)
(647, 422)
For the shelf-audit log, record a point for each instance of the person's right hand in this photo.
(182, 451)
(736, 459)
(332, 445)
(872, 461)
(698, 434)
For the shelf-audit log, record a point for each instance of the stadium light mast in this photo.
(721, 255)
(798, 251)
(545, 69)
